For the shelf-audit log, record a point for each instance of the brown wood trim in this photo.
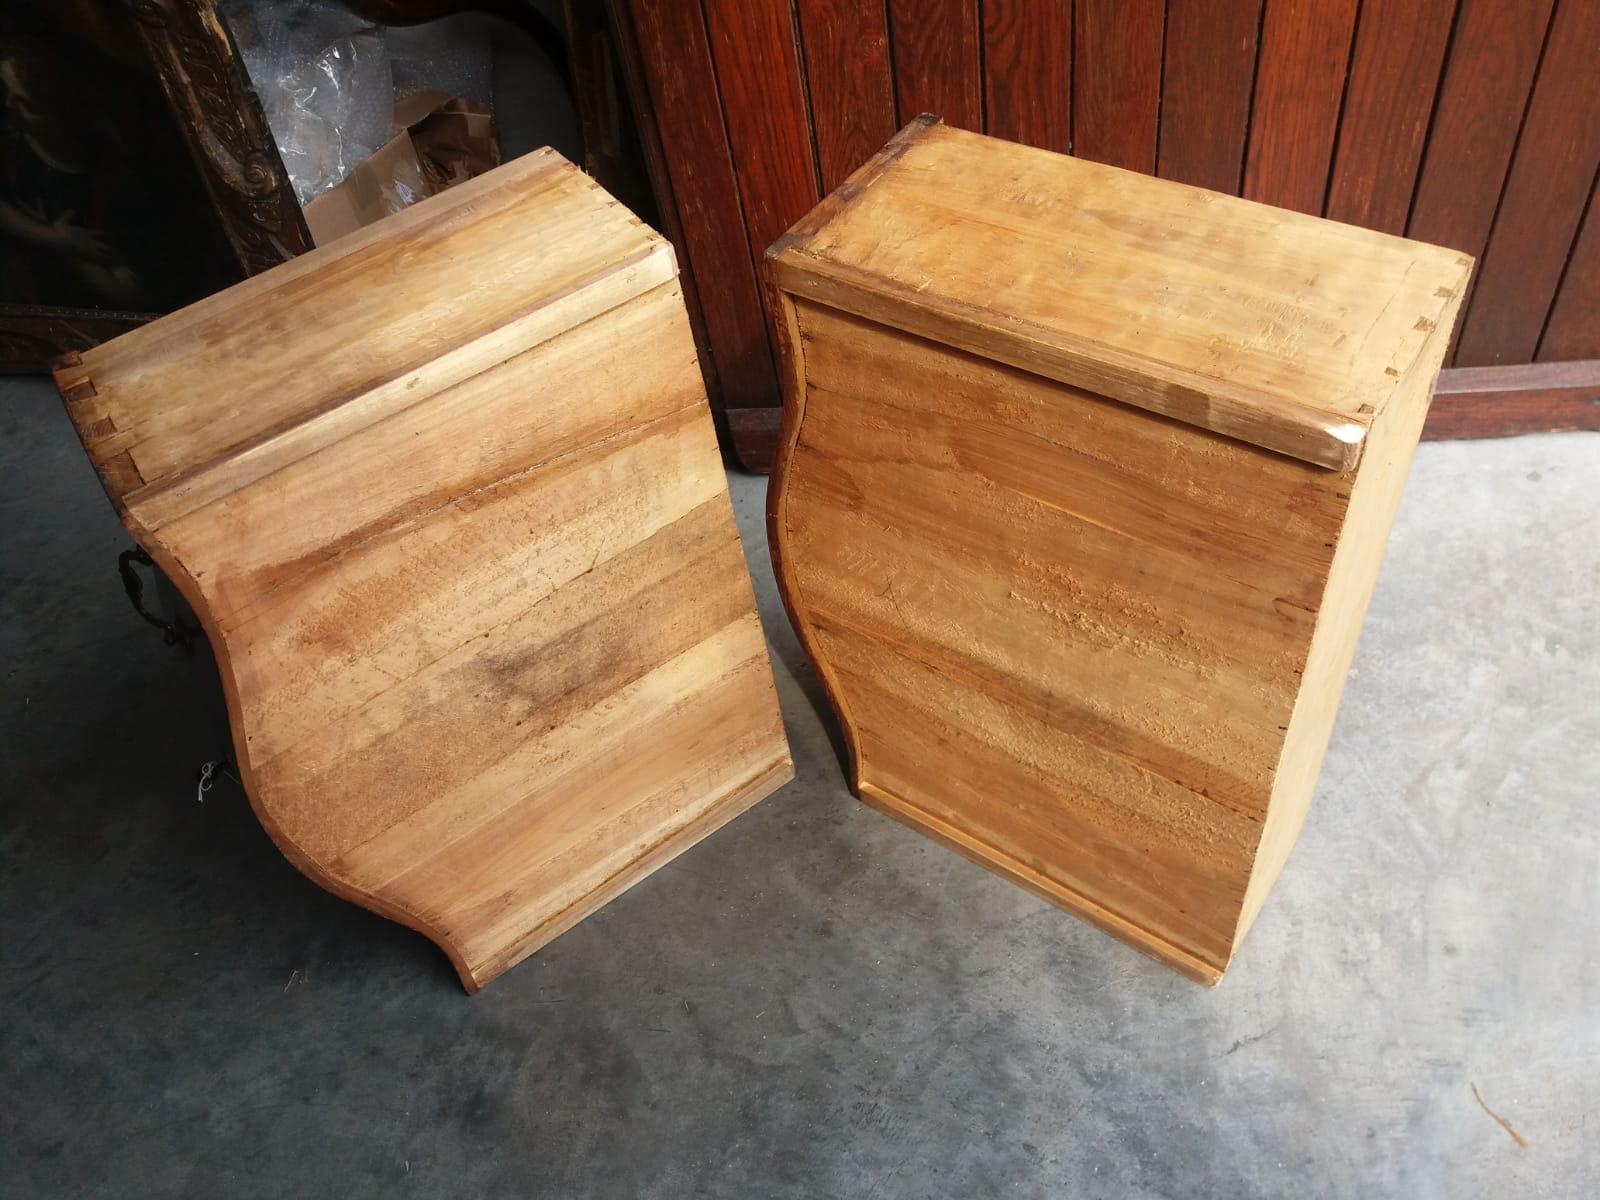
(1487, 402)
(1395, 66)
(755, 436)
(1116, 81)
(847, 42)
(1546, 193)
(1470, 402)
(1572, 331)
(1028, 70)
(1478, 118)
(1303, 61)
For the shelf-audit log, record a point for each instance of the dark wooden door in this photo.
(1472, 123)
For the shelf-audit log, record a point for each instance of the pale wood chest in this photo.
(1083, 487)
(447, 498)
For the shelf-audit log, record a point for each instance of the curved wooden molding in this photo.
(446, 497)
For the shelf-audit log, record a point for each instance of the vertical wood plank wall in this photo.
(1472, 123)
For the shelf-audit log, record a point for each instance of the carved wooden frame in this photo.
(195, 58)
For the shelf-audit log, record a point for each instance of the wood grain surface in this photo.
(1493, 58)
(1486, 402)
(848, 43)
(902, 250)
(1305, 49)
(1027, 71)
(446, 497)
(937, 54)
(1096, 645)
(769, 124)
(1394, 77)
(1469, 402)
(1208, 76)
(1116, 83)
(1403, 116)
(1552, 172)
(1573, 330)
(674, 53)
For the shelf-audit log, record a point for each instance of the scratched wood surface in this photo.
(1094, 642)
(446, 497)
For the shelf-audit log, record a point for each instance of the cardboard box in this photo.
(440, 141)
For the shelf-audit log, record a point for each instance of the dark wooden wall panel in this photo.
(1551, 175)
(1471, 123)
(1027, 65)
(935, 51)
(675, 58)
(1305, 49)
(1207, 80)
(1116, 81)
(1487, 81)
(846, 46)
(1573, 331)
(757, 63)
(1394, 77)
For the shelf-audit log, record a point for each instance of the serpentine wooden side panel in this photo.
(1083, 487)
(446, 496)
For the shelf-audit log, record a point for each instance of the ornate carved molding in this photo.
(221, 118)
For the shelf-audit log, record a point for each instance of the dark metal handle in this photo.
(176, 633)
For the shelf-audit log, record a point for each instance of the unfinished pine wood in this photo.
(1082, 489)
(447, 499)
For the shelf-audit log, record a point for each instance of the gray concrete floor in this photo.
(817, 1002)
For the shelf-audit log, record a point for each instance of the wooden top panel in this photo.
(1280, 329)
(353, 332)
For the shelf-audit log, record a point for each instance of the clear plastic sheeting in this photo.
(332, 112)
(329, 81)
(441, 56)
